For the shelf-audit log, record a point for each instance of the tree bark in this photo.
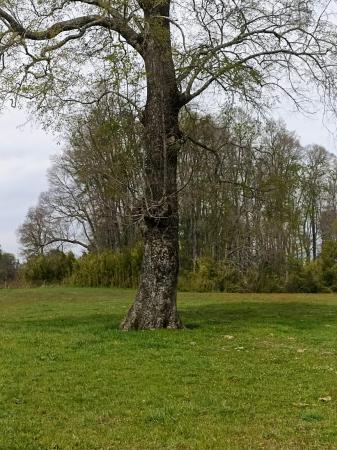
(155, 303)
(314, 237)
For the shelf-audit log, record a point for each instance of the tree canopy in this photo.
(62, 51)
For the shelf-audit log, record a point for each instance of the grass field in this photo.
(248, 372)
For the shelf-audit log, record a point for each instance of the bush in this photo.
(210, 275)
(54, 267)
(306, 278)
(108, 269)
(329, 264)
(8, 268)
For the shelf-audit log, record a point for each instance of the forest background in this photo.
(258, 212)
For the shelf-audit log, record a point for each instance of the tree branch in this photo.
(69, 241)
(116, 23)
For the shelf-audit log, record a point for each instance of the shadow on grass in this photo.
(295, 315)
(95, 321)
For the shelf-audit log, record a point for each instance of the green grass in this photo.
(248, 372)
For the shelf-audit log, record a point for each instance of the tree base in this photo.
(155, 305)
(152, 314)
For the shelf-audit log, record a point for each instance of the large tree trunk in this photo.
(155, 304)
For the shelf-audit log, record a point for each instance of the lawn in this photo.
(248, 372)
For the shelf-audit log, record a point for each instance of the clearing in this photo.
(250, 371)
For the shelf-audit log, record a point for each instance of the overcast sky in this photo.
(24, 158)
(25, 154)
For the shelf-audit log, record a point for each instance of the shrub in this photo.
(52, 267)
(210, 275)
(329, 264)
(306, 278)
(8, 268)
(108, 269)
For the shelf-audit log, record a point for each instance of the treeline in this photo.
(122, 269)
(258, 212)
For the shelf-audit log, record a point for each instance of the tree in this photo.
(8, 267)
(92, 187)
(48, 227)
(37, 231)
(53, 50)
(314, 185)
(96, 179)
(328, 219)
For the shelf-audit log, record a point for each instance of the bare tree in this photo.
(47, 227)
(315, 179)
(93, 183)
(53, 51)
(34, 234)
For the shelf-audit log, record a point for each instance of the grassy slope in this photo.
(70, 380)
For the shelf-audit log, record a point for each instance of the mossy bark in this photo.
(155, 303)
